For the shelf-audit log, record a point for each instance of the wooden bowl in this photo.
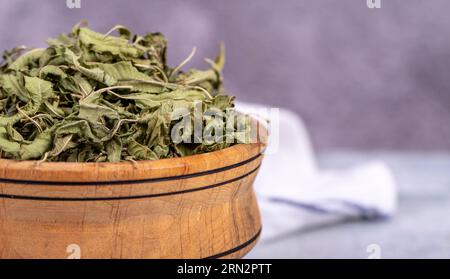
(200, 206)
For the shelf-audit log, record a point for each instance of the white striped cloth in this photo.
(294, 194)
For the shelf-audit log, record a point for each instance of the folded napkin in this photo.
(293, 194)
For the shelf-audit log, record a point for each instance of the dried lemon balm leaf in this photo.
(93, 97)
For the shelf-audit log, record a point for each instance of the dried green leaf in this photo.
(6, 144)
(41, 144)
(107, 44)
(114, 149)
(26, 59)
(139, 151)
(92, 97)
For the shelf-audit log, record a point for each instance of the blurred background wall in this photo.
(361, 78)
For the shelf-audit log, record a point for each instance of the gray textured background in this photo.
(361, 78)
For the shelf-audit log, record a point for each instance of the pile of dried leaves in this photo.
(91, 97)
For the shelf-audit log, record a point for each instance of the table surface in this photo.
(420, 228)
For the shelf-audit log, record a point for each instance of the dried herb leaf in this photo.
(98, 97)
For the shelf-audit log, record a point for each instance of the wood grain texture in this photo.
(191, 207)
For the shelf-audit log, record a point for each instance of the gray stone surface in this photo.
(420, 229)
